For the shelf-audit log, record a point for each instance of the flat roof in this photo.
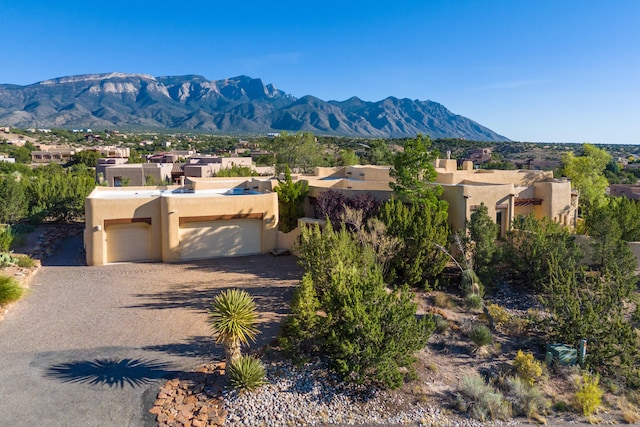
(138, 193)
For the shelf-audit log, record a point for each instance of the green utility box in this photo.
(565, 355)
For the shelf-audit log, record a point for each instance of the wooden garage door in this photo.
(211, 239)
(128, 242)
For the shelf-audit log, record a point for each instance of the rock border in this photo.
(193, 400)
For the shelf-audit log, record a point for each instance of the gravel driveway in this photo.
(89, 346)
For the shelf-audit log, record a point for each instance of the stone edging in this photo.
(193, 400)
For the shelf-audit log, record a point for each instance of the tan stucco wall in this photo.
(165, 210)
(122, 206)
(176, 206)
(462, 199)
(522, 178)
(137, 173)
(556, 202)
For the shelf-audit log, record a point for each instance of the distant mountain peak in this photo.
(240, 104)
(94, 77)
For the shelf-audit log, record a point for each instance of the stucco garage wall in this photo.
(120, 207)
(182, 209)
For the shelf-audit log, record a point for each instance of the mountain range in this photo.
(238, 105)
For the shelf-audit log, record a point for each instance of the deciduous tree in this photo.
(587, 175)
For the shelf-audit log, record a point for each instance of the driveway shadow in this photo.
(111, 372)
(273, 299)
(195, 346)
(262, 266)
(69, 252)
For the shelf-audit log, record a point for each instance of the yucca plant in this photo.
(233, 318)
(480, 335)
(10, 290)
(247, 373)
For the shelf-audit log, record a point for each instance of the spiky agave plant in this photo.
(233, 318)
(247, 373)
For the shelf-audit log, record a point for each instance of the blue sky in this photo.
(532, 70)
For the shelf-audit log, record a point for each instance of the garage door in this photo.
(210, 239)
(128, 242)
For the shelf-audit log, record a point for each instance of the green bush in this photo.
(345, 313)
(10, 290)
(24, 261)
(527, 367)
(6, 238)
(589, 394)
(481, 401)
(474, 302)
(480, 335)
(246, 373)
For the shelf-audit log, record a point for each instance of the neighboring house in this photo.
(480, 156)
(112, 151)
(171, 156)
(208, 166)
(217, 217)
(57, 155)
(103, 164)
(7, 159)
(137, 174)
(537, 164)
(630, 191)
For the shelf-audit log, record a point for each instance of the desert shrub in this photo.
(560, 406)
(442, 324)
(442, 300)
(10, 290)
(480, 335)
(474, 302)
(6, 238)
(344, 312)
(246, 373)
(471, 283)
(500, 315)
(589, 394)
(527, 367)
(24, 261)
(481, 401)
(526, 399)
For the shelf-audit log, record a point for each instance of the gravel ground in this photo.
(89, 346)
(309, 395)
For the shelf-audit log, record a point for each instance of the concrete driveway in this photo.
(90, 346)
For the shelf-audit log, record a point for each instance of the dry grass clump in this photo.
(481, 401)
(442, 300)
(629, 411)
(526, 399)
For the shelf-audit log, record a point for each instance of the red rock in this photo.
(162, 417)
(156, 410)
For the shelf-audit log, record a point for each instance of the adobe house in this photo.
(219, 217)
